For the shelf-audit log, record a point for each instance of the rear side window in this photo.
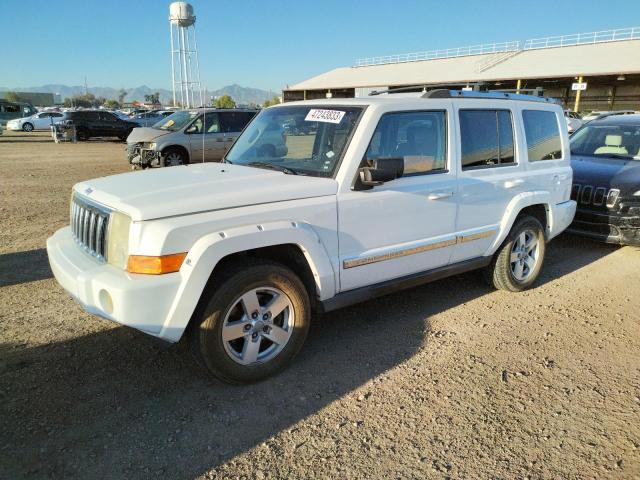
(11, 108)
(487, 138)
(108, 117)
(542, 134)
(235, 121)
(418, 137)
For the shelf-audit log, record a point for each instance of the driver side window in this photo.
(419, 138)
(208, 123)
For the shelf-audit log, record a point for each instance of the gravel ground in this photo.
(448, 380)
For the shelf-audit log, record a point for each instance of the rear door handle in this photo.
(438, 195)
(513, 183)
(560, 177)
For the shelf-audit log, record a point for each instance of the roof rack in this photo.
(473, 90)
(477, 86)
(494, 95)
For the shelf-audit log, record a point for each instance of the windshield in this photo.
(303, 140)
(176, 121)
(617, 141)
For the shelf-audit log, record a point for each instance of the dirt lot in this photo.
(451, 379)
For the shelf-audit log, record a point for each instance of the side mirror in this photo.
(191, 129)
(383, 170)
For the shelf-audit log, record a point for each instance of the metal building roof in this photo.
(607, 58)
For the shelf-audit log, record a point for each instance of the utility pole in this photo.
(86, 90)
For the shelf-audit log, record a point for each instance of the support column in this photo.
(612, 98)
(576, 105)
(518, 86)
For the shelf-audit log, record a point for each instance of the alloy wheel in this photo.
(258, 325)
(524, 255)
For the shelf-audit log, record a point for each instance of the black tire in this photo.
(173, 156)
(27, 127)
(205, 334)
(82, 134)
(500, 273)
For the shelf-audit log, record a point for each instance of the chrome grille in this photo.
(89, 225)
(595, 196)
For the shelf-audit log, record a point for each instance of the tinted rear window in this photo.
(487, 138)
(543, 135)
(235, 121)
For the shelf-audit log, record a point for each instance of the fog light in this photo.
(105, 301)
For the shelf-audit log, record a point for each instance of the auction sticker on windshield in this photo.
(328, 116)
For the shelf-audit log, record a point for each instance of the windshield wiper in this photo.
(272, 166)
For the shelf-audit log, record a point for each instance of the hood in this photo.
(21, 119)
(164, 192)
(607, 172)
(145, 134)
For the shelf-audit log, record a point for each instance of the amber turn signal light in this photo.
(155, 265)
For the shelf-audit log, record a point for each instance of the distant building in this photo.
(608, 62)
(37, 99)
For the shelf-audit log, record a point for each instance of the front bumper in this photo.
(143, 157)
(608, 227)
(15, 127)
(142, 302)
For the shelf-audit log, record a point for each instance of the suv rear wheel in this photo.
(174, 156)
(254, 324)
(516, 266)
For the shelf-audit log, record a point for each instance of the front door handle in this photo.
(439, 195)
(513, 183)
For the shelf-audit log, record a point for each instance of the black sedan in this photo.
(605, 156)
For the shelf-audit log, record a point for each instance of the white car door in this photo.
(42, 121)
(492, 173)
(406, 225)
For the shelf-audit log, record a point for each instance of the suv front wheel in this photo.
(517, 264)
(254, 324)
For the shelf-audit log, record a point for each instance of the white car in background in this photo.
(574, 122)
(38, 121)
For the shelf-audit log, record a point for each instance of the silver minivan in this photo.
(187, 136)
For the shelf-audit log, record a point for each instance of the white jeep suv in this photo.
(382, 193)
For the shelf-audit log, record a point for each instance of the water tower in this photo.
(185, 63)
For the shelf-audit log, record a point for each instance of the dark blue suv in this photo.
(605, 156)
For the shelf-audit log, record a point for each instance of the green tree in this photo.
(86, 101)
(275, 100)
(112, 104)
(152, 98)
(225, 101)
(12, 97)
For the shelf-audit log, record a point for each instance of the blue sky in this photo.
(265, 44)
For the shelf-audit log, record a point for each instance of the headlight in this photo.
(149, 146)
(118, 240)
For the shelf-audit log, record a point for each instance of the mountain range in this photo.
(242, 95)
